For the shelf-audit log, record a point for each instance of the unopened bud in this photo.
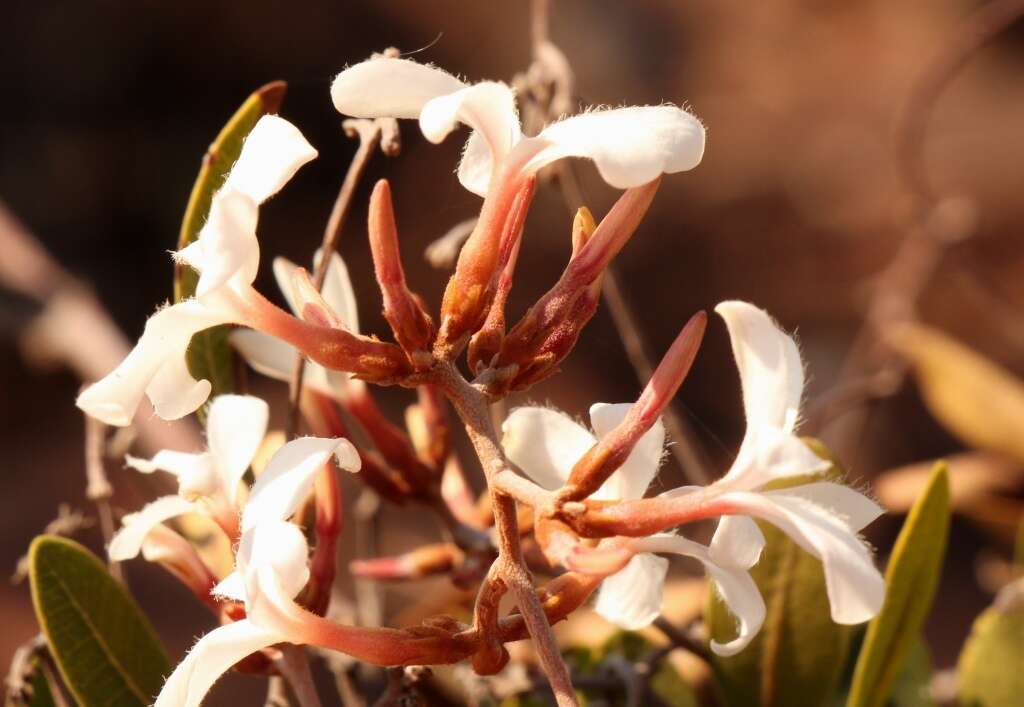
(393, 444)
(548, 332)
(612, 450)
(471, 289)
(421, 562)
(412, 326)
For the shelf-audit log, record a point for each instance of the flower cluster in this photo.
(587, 488)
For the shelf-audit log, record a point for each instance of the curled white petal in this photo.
(156, 367)
(632, 597)
(855, 587)
(210, 658)
(770, 369)
(235, 426)
(227, 249)
(544, 443)
(631, 480)
(737, 542)
(279, 546)
(289, 476)
(196, 473)
(272, 153)
(338, 292)
(231, 587)
(630, 146)
(127, 542)
(734, 585)
(386, 87)
(853, 508)
(489, 108)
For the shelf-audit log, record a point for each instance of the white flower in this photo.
(630, 146)
(547, 444)
(271, 560)
(275, 358)
(824, 518)
(227, 256)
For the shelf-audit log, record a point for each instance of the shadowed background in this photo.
(800, 201)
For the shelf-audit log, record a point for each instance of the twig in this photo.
(680, 638)
(371, 134)
(471, 406)
(97, 486)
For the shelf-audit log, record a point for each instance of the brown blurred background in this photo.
(800, 201)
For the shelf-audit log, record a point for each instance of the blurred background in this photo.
(801, 203)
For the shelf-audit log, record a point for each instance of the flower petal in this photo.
(477, 165)
(227, 247)
(275, 359)
(631, 480)
(737, 542)
(489, 108)
(386, 87)
(280, 546)
(771, 372)
(734, 584)
(196, 473)
(544, 443)
(630, 146)
(853, 508)
(156, 366)
(768, 454)
(231, 587)
(338, 292)
(127, 542)
(211, 657)
(235, 427)
(855, 587)
(271, 155)
(632, 597)
(289, 476)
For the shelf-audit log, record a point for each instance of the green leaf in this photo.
(989, 671)
(209, 356)
(911, 579)
(105, 648)
(38, 693)
(799, 654)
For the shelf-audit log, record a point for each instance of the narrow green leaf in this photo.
(105, 648)
(911, 579)
(209, 355)
(799, 654)
(38, 692)
(989, 671)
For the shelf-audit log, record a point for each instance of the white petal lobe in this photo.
(632, 597)
(127, 542)
(544, 443)
(385, 87)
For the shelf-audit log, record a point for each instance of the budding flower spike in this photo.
(824, 518)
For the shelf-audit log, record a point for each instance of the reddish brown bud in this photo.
(471, 289)
(421, 562)
(549, 330)
(365, 357)
(412, 326)
(611, 451)
(393, 444)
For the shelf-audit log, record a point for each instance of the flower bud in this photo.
(611, 451)
(412, 326)
(471, 289)
(549, 330)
